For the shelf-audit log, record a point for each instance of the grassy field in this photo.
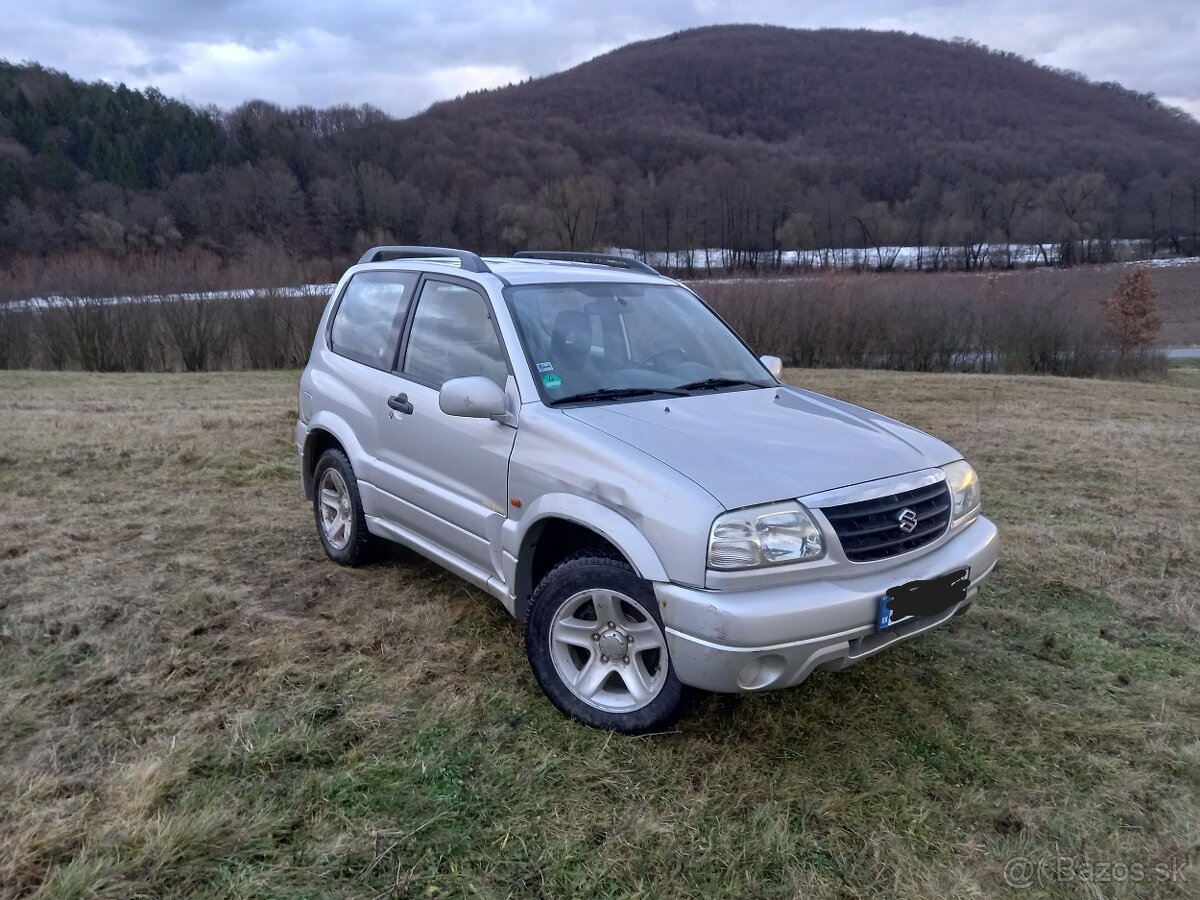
(194, 701)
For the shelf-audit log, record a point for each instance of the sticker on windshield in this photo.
(552, 381)
(545, 367)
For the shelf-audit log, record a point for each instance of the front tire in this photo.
(598, 649)
(338, 511)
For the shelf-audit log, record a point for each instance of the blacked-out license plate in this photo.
(923, 598)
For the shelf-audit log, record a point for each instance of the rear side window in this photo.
(452, 336)
(366, 324)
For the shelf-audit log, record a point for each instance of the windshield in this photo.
(614, 341)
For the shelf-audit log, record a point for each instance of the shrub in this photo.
(1132, 312)
(110, 336)
(932, 323)
(98, 316)
(15, 332)
(196, 330)
(276, 331)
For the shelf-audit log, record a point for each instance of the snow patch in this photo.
(304, 290)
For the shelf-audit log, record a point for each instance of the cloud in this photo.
(155, 68)
(402, 56)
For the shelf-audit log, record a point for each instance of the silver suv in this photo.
(586, 440)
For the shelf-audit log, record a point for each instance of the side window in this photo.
(452, 337)
(367, 321)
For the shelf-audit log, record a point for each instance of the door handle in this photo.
(400, 404)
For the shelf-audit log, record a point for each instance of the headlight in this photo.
(764, 536)
(964, 489)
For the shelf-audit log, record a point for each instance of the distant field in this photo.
(1178, 286)
(1178, 289)
(194, 702)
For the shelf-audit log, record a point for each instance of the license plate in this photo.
(923, 598)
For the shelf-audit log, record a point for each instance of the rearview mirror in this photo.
(773, 363)
(474, 397)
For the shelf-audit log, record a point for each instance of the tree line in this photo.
(665, 146)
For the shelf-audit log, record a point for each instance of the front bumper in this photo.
(775, 637)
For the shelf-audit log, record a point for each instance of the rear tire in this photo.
(598, 649)
(337, 508)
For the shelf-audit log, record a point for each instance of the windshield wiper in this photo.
(617, 394)
(713, 383)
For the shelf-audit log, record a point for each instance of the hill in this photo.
(887, 107)
(755, 138)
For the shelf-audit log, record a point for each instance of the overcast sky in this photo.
(401, 56)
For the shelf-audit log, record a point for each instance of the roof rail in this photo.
(600, 259)
(467, 261)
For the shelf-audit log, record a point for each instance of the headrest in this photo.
(571, 341)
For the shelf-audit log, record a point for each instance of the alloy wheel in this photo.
(608, 650)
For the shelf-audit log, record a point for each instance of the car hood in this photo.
(758, 446)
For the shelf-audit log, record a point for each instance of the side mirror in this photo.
(474, 397)
(773, 363)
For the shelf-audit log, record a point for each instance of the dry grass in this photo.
(1082, 288)
(1178, 288)
(193, 701)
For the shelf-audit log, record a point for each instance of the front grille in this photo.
(870, 529)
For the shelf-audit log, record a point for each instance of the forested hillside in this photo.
(751, 138)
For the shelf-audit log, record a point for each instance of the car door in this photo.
(361, 342)
(446, 477)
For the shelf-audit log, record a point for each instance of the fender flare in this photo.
(337, 428)
(608, 523)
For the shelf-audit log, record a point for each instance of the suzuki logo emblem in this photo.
(907, 520)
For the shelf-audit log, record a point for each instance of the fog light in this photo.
(761, 672)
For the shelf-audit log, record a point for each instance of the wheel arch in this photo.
(324, 433)
(558, 525)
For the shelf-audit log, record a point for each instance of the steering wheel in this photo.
(651, 358)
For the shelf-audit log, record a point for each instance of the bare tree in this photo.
(882, 231)
(1012, 206)
(1083, 200)
(577, 210)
